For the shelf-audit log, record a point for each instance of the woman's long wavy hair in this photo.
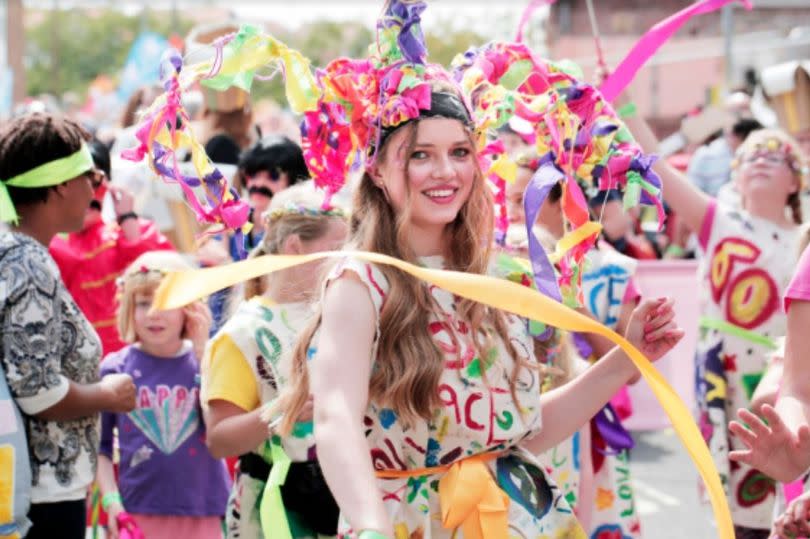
(408, 362)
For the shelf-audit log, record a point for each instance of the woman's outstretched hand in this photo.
(652, 329)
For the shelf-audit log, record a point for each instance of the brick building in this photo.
(691, 68)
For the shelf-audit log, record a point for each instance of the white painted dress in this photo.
(476, 417)
(749, 262)
(248, 363)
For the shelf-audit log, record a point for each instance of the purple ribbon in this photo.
(610, 428)
(411, 41)
(536, 192)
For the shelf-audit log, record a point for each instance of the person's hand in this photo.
(118, 392)
(761, 399)
(794, 521)
(198, 325)
(772, 448)
(113, 510)
(123, 201)
(212, 252)
(652, 328)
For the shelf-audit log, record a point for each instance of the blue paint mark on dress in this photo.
(387, 418)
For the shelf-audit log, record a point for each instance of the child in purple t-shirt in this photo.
(169, 483)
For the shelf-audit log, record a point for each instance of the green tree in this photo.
(67, 49)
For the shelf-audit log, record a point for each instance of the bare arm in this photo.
(106, 476)
(114, 393)
(124, 203)
(340, 374)
(689, 202)
(586, 486)
(231, 430)
(569, 407)
(794, 399)
(579, 400)
(600, 345)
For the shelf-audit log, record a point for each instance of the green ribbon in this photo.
(271, 510)
(516, 74)
(736, 331)
(515, 272)
(52, 173)
(628, 110)
(243, 78)
(635, 185)
(371, 534)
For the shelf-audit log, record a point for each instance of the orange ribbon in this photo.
(468, 495)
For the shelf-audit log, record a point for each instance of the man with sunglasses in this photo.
(91, 260)
(271, 165)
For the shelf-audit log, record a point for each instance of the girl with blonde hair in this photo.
(167, 481)
(248, 363)
(750, 257)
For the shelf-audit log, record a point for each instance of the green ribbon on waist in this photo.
(271, 510)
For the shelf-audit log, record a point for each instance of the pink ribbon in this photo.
(652, 41)
(527, 14)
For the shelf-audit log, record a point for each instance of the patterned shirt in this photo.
(47, 343)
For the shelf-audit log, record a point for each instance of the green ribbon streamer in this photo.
(55, 172)
(243, 78)
(371, 534)
(736, 331)
(516, 74)
(632, 191)
(271, 510)
(628, 110)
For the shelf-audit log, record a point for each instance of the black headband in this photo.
(443, 105)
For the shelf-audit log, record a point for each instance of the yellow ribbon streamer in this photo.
(574, 238)
(181, 288)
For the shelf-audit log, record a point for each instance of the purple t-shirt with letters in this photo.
(165, 467)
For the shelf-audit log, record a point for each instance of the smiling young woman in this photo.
(429, 372)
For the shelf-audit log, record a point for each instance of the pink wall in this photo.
(681, 84)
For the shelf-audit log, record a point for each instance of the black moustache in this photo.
(95, 205)
(260, 191)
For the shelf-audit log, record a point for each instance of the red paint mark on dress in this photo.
(468, 420)
(394, 454)
(493, 413)
(374, 282)
(410, 442)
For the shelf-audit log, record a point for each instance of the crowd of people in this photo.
(346, 398)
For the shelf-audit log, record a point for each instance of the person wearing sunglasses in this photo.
(91, 259)
(50, 355)
(271, 165)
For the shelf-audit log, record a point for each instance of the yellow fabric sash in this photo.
(180, 288)
(469, 496)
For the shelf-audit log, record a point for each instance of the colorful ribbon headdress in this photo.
(580, 140)
(165, 135)
(364, 100)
